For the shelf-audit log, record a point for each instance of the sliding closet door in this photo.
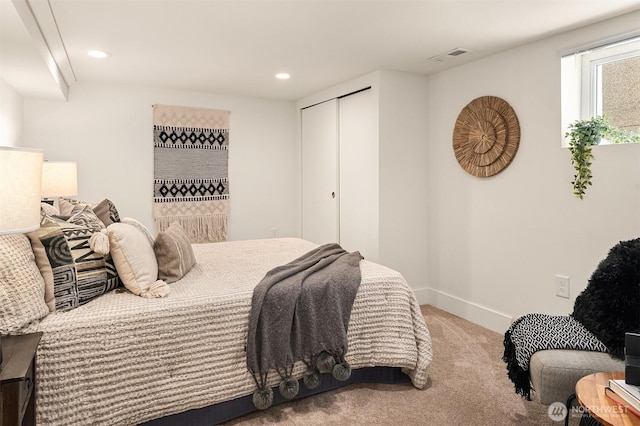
(320, 173)
(359, 174)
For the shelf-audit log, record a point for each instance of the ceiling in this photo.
(237, 46)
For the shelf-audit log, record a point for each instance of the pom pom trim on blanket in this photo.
(300, 312)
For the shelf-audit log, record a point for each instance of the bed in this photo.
(123, 359)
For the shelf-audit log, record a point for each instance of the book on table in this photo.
(632, 358)
(629, 393)
(621, 402)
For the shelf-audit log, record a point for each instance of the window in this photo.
(603, 80)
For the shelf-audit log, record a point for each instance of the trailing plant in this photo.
(583, 134)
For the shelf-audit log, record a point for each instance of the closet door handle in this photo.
(333, 195)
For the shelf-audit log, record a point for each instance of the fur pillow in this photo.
(610, 305)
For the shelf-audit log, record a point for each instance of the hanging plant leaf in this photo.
(583, 134)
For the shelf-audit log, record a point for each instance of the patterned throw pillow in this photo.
(21, 285)
(79, 274)
(174, 253)
(105, 209)
(49, 209)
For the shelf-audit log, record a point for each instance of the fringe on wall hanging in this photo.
(190, 177)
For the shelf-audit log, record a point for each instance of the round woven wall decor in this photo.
(486, 136)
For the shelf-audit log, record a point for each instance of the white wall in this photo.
(10, 116)
(404, 102)
(401, 101)
(107, 129)
(495, 244)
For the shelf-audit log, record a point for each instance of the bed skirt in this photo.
(228, 410)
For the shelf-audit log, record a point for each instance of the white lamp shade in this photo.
(59, 179)
(20, 181)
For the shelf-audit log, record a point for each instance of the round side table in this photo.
(590, 394)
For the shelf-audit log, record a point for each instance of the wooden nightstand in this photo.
(18, 379)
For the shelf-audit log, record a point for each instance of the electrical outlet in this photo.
(562, 286)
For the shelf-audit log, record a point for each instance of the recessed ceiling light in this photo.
(282, 76)
(97, 54)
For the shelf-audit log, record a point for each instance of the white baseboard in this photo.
(470, 311)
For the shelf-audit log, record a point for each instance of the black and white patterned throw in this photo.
(536, 332)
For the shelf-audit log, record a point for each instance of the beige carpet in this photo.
(467, 385)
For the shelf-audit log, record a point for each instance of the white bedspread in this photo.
(122, 359)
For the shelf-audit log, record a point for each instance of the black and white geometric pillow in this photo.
(79, 274)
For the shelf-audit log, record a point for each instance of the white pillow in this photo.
(135, 261)
(140, 226)
(21, 285)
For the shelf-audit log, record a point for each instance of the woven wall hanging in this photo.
(191, 171)
(486, 136)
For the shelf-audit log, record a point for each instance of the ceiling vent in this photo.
(454, 53)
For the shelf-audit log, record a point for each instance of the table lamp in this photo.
(59, 179)
(20, 181)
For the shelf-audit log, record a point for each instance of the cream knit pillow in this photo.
(135, 261)
(21, 285)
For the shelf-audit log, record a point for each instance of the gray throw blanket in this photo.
(300, 312)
